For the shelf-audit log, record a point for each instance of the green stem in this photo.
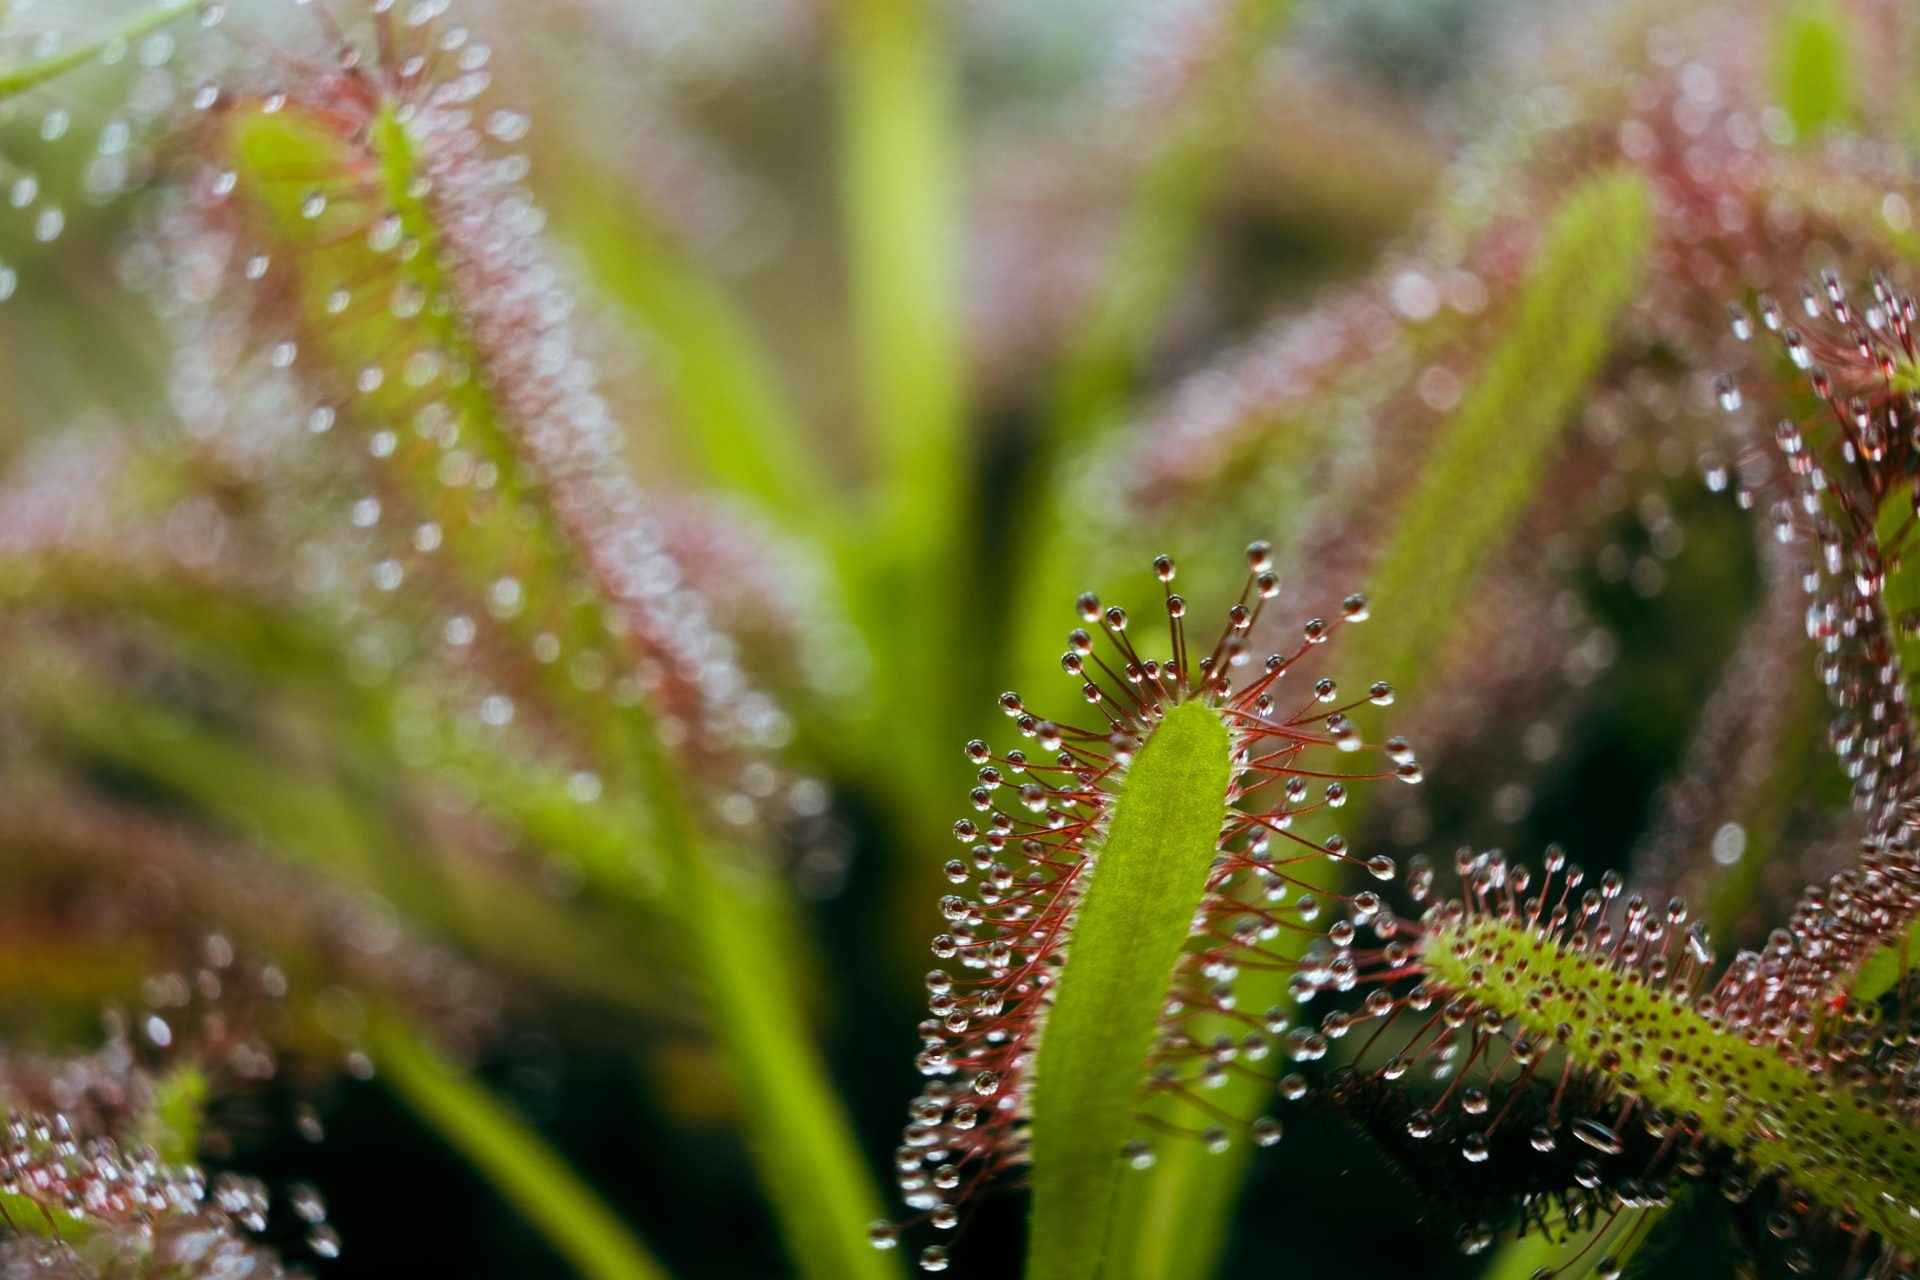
(799, 1133)
(1134, 917)
(20, 79)
(508, 1153)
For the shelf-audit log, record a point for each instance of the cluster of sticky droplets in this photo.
(137, 1208)
(1842, 463)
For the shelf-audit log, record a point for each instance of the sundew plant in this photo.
(1135, 640)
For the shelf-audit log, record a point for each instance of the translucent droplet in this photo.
(306, 1203)
(324, 1241)
(508, 126)
(1727, 391)
(385, 235)
(1598, 1136)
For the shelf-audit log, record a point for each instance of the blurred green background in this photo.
(923, 287)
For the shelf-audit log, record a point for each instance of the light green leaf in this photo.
(1147, 881)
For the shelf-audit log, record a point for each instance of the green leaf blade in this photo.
(1135, 913)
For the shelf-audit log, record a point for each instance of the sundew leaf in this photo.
(1173, 194)
(1474, 488)
(302, 178)
(1895, 528)
(1886, 968)
(1482, 473)
(1138, 908)
(1829, 1141)
(171, 1126)
(15, 81)
(1281, 460)
(296, 175)
(508, 1153)
(1762, 734)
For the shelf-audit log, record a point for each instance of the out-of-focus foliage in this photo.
(507, 519)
